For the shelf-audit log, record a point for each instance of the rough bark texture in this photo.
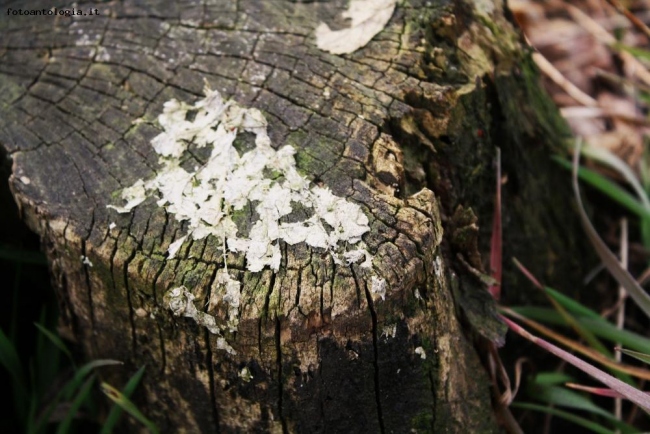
(406, 127)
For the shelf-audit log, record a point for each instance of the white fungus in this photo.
(181, 303)
(265, 179)
(368, 17)
(378, 286)
(208, 196)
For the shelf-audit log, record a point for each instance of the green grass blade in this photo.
(56, 341)
(46, 361)
(585, 333)
(624, 337)
(11, 362)
(563, 303)
(9, 358)
(644, 164)
(552, 378)
(82, 396)
(117, 397)
(608, 158)
(33, 408)
(13, 327)
(116, 410)
(79, 376)
(631, 393)
(22, 256)
(572, 305)
(34, 402)
(610, 189)
(582, 331)
(637, 52)
(69, 389)
(542, 314)
(599, 327)
(595, 427)
(610, 261)
(570, 399)
(644, 357)
(645, 232)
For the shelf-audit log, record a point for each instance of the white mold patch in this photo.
(389, 331)
(102, 55)
(262, 178)
(368, 17)
(226, 290)
(353, 256)
(173, 247)
(438, 267)
(245, 374)
(208, 196)
(134, 196)
(140, 312)
(378, 286)
(181, 303)
(420, 352)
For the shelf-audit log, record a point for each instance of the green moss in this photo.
(526, 107)
(245, 218)
(469, 158)
(194, 274)
(422, 422)
(309, 166)
(297, 139)
(244, 142)
(529, 129)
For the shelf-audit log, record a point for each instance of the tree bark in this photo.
(405, 127)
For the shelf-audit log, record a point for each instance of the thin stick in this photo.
(630, 16)
(571, 89)
(620, 316)
(635, 67)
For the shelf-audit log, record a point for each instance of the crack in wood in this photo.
(375, 337)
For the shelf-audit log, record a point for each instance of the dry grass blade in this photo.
(580, 112)
(582, 331)
(496, 242)
(609, 159)
(606, 38)
(645, 358)
(606, 256)
(559, 79)
(527, 273)
(609, 393)
(620, 314)
(518, 371)
(629, 392)
(630, 16)
(127, 405)
(580, 348)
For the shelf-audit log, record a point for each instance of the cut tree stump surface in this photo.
(405, 128)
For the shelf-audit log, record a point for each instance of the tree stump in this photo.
(355, 331)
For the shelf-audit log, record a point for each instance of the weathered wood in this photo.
(405, 127)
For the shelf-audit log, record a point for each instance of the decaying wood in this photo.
(405, 127)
